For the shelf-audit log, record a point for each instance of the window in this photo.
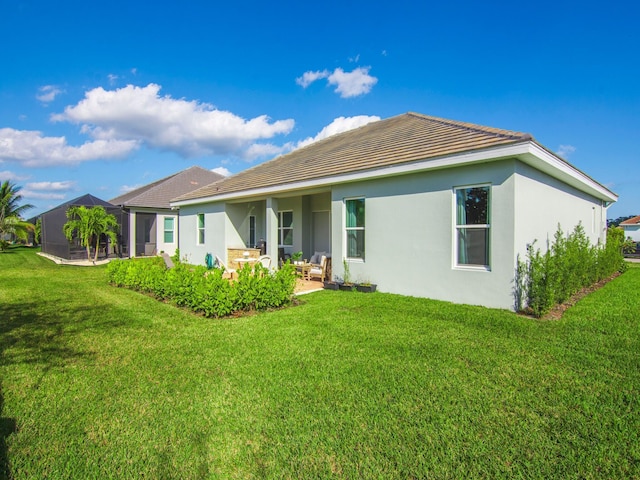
(285, 228)
(168, 229)
(201, 229)
(472, 225)
(354, 227)
(252, 231)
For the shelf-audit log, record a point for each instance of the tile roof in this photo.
(86, 200)
(631, 221)
(158, 194)
(401, 139)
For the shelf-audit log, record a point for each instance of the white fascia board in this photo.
(528, 152)
(550, 164)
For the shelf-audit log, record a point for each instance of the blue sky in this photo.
(103, 97)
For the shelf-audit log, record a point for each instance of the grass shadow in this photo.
(7, 427)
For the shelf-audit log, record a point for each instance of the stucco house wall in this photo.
(215, 218)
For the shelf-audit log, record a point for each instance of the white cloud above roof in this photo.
(348, 84)
(189, 128)
(30, 149)
(8, 175)
(47, 190)
(339, 125)
(221, 171)
(565, 150)
(48, 93)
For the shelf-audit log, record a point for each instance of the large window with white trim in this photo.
(285, 228)
(473, 223)
(354, 227)
(168, 229)
(200, 232)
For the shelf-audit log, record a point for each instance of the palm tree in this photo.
(90, 224)
(11, 221)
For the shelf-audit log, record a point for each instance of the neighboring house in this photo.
(152, 225)
(631, 228)
(419, 205)
(53, 240)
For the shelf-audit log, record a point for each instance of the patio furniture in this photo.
(303, 268)
(265, 260)
(318, 270)
(222, 265)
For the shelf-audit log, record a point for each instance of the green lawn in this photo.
(99, 382)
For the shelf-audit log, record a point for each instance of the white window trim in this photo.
(455, 264)
(345, 230)
(204, 229)
(281, 228)
(173, 230)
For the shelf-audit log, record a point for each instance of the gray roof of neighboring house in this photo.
(158, 194)
(401, 139)
(86, 200)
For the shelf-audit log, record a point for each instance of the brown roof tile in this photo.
(631, 221)
(402, 139)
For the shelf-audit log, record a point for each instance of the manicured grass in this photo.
(100, 382)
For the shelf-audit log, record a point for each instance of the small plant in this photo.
(347, 272)
(569, 264)
(296, 256)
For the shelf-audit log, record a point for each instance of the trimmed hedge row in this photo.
(205, 291)
(569, 264)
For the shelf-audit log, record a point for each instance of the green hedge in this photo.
(205, 291)
(568, 265)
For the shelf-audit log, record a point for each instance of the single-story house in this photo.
(52, 238)
(152, 223)
(419, 205)
(631, 228)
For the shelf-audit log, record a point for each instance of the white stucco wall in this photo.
(410, 246)
(542, 203)
(409, 235)
(214, 241)
(632, 231)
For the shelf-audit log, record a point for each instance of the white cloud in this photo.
(48, 93)
(339, 125)
(189, 128)
(7, 175)
(565, 150)
(262, 150)
(112, 78)
(26, 193)
(47, 190)
(348, 84)
(308, 78)
(352, 84)
(129, 188)
(221, 171)
(355, 59)
(31, 149)
(64, 186)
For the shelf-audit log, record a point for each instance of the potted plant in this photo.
(366, 287)
(346, 284)
(331, 285)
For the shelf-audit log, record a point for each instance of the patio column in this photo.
(132, 233)
(271, 224)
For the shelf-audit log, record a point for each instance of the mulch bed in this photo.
(557, 311)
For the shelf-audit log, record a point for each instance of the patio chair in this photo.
(222, 265)
(265, 260)
(318, 270)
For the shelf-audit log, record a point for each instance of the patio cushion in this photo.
(316, 257)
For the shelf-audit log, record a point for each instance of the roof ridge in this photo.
(473, 127)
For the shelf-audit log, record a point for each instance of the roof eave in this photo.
(528, 151)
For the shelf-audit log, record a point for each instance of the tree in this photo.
(90, 224)
(11, 222)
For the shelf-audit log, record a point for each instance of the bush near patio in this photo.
(569, 264)
(206, 291)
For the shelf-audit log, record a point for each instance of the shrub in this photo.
(206, 291)
(569, 264)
